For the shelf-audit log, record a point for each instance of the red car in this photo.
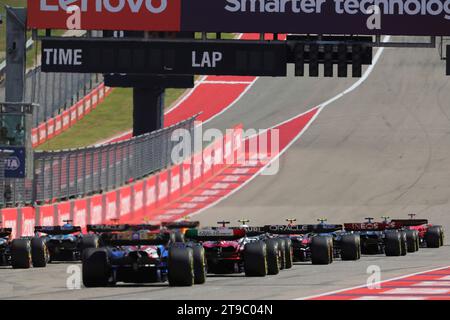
(233, 250)
(429, 236)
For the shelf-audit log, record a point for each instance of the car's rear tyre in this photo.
(39, 253)
(412, 242)
(321, 250)
(21, 254)
(96, 267)
(404, 243)
(282, 247)
(350, 247)
(255, 259)
(273, 256)
(434, 237)
(393, 246)
(199, 264)
(89, 241)
(179, 237)
(180, 265)
(288, 253)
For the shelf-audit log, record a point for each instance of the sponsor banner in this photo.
(64, 212)
(138, 199)
(111, 206)
(58, 124)
(150, 193)
(73, 114)
(175, 182)
(47, 215)
(163, 187)
(125, 201)
(42, 133)
(96, 209)
(65, 120)
(9, 218)
(94, 98)
(15, 162)
(101, 93)
(187, 176)
(50, 128)
(28, 219)
(146, 15)
(87, 103)
(80, 109)
(397, 17)
(35, 137)
(107, 90)
(80, 213)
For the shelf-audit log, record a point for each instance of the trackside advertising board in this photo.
(365, 17)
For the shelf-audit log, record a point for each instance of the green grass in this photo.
(110, 118)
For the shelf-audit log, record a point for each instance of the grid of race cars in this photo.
(183, 253)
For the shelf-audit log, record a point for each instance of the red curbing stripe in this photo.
(428, 285)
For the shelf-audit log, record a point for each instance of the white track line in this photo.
(374, 284)
(321, 107)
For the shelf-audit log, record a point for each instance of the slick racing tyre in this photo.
(39, 253)
(288, 253)
(412, 242)
(393, 244)
(434, 237)
(21, 254)
(179, 237)
(199, 264)
(404, 243)
(96, 267)
(321, 250)
(282, 245)
(180, 266)
(350, 247)
(89, 241)
(255, 259)
(274, 259)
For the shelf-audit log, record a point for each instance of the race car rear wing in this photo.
(372, 226)
(57, 230)
(105, 228)
(215, 234)
(5, 232)
(302, 229)
(181, 225)
(134, 238)
(410, 222)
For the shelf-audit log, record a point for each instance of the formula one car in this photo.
(230, 250)
(381, 237)
(14, 252)
(141, 254)
(60, 243)
(280, 250)
(318, 243)
(425, 235)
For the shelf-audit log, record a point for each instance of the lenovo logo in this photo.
(112, 6)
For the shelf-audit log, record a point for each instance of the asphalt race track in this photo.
(383, 149)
